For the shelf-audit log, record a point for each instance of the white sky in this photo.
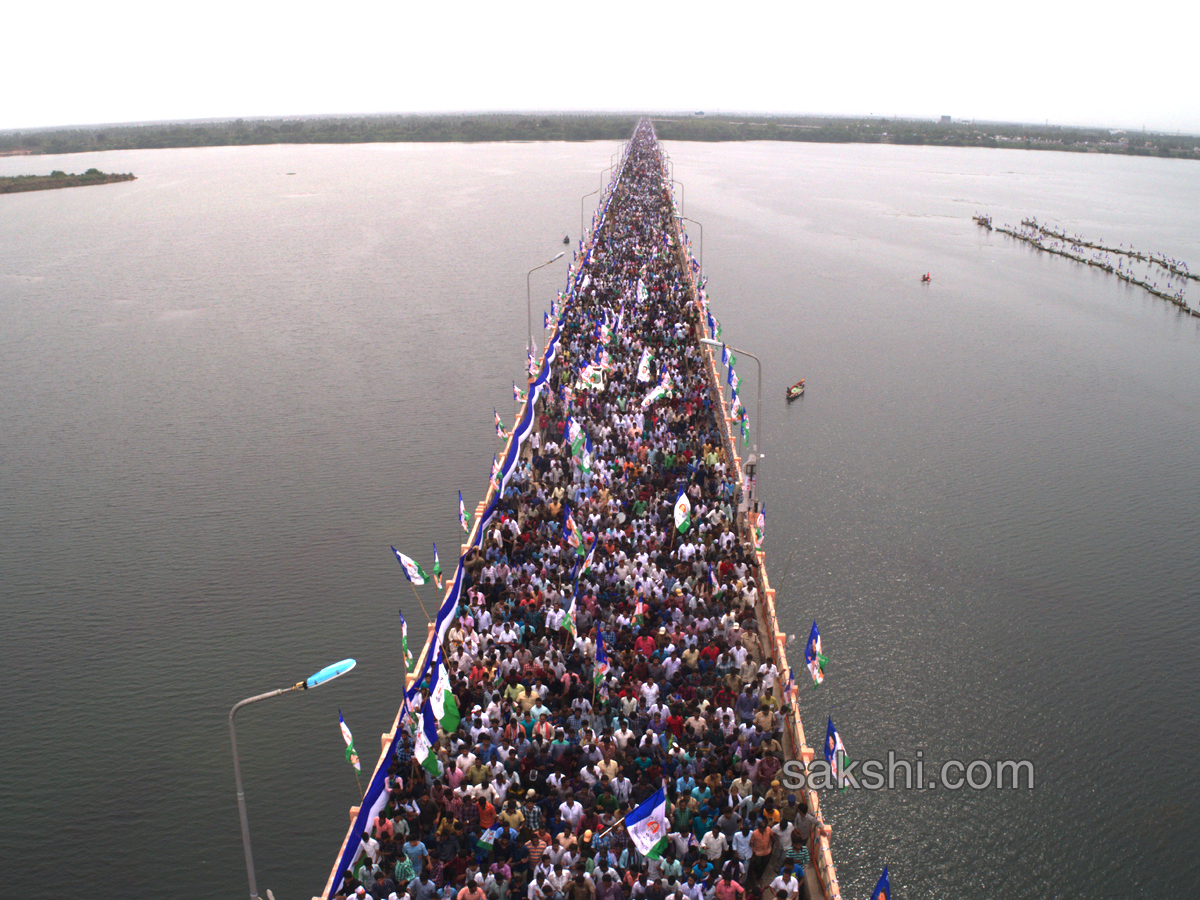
(1068, 62)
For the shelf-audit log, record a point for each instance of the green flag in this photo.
(441, 698)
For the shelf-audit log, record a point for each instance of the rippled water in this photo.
(227, 389)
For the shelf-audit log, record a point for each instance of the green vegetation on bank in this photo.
(13, 184)
(579, 127)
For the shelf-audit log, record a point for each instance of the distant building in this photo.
(945, 120)
(700, 113)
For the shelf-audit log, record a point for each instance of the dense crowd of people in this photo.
(553, 749)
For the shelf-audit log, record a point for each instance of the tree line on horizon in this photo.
(589, 127)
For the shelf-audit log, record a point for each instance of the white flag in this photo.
(412, 571)
(644, 366)
(351, 753)
(683, 512)
(647, 826)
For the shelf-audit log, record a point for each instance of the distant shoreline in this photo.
(531, 128)
(16, 184)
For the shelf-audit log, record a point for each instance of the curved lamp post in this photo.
(581, 199)
(326, 674)
(528, 301)
(758, 405)
(694, 222)
(683, 198)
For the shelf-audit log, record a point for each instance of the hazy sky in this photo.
(1068, 62)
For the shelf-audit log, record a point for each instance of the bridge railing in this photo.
(772, 638)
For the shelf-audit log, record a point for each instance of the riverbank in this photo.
(596, 127)
(15, 184)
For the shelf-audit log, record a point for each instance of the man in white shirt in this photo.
(786, 885)
(559, 876)
(693, 890)
(370, 847)
(572, 811)
(741, 842)
(714, 844)
(739, 655)
(672, 664)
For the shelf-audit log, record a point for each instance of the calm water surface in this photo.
(227, 389)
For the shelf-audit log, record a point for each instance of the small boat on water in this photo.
(925, 279)
(796, 390)
(566, 239)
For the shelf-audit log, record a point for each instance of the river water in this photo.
(227, 389)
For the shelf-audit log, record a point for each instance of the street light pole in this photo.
(694, 222)
(581, 199)
(683, 199)
(758, 403)
(529, 301)
(327, 674)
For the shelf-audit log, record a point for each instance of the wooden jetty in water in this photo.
(1071, 246)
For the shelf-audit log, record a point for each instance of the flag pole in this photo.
(404, 666)
(359, 780)
(418, 596)
(610, 828)
(595, 680)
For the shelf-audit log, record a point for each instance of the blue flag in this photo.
(582, 567)
(813, 660)
(724, 349)
(883, 890)
(647, 825)
(426, 740)
(408, 657)
(601, 658)
(545, 320)
(835, 754)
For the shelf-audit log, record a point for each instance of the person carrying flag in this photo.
(601, 667)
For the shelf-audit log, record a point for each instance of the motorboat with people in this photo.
(566, 239)
(925, 279)
(796, 390)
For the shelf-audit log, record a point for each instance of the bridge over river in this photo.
(609, 631)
